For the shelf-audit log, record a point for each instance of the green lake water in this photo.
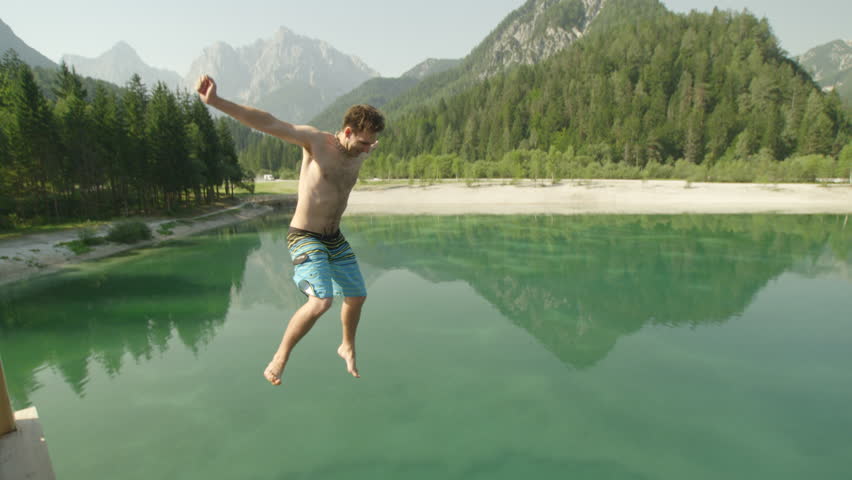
(491, 347)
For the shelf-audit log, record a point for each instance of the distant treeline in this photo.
(88, 156)
(712, 90)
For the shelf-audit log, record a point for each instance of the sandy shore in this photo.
(38, 254)
(31, 255)
(603, 197)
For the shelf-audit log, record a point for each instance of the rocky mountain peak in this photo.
(118, 64)
(124, 48)
(536, 31)
(826, 61)
(121, 51)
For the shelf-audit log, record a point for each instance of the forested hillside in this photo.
(702, 87)
(645, 87)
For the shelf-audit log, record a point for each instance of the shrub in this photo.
(15, 221)
(686, 170)
(655, 170)
(808, 168)
(89, 237)
(734, 171)
(166, 228)
(76, 246)
(129, 232)
(247, 182)
(844, 163)
(592, 170)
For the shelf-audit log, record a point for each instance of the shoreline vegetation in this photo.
(35, 254)
(556, 165)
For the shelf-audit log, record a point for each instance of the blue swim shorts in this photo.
(324, 265)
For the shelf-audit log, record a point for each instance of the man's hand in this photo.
(373, 146)
(206, 88)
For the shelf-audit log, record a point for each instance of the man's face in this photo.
(359, 142)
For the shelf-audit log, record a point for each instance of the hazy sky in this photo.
(391, 36)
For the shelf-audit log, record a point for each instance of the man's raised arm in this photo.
(258, 119)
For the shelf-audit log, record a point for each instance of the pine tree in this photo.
(68, 83)
(134, 149)
(167, 146)
(108, 141)
(11, 174)
(210, 152)
(34, 143)
(817, 133)
(77, 172)
(231, 170)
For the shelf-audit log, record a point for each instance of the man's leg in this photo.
(350, 314)
(300, 324)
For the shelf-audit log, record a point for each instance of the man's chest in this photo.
(337, 173)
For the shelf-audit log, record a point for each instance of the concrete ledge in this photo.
(23, 453)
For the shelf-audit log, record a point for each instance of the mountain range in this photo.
(290, 75)
(299, 78)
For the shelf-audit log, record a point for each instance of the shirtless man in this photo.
(324, 263)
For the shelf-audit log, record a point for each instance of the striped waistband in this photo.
(331, 241)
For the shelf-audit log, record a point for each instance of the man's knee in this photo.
(355, 301)
(319, 306)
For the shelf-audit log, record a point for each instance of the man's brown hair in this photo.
(364, 118)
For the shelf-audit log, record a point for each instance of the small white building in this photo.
(268, 178)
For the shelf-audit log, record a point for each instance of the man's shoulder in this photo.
(322, 144)
(318, 135)
(308, 130)
(312, 137)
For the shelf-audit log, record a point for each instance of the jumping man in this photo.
(324, 263)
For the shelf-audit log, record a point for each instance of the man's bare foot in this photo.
(273, 371)
(348, 354)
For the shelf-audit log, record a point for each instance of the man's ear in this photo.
(347, 131)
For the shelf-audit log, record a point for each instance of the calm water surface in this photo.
(617, 347)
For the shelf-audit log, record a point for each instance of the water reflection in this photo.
(133, 305)
(576, 284)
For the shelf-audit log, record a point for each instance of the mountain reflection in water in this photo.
(578, 283)
(575, 283)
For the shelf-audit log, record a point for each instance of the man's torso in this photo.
(325, 182)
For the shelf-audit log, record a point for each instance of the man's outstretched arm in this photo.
(258, 119)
